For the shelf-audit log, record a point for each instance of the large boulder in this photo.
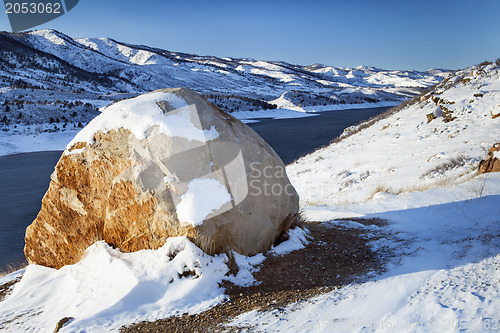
(492, 161)
(163, 164)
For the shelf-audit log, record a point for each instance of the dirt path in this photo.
(335, 256)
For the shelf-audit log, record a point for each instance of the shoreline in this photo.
(23, 139)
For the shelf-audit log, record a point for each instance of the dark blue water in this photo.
(24, 178)
(293, 138)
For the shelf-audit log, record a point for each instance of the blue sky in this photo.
(400, 34)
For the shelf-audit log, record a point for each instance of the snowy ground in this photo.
(18, 141)
(445, 221)
(108, 289)
(447, 271)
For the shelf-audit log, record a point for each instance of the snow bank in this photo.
(108, 289)
(297, 240)
(246, 267)
(22, 140)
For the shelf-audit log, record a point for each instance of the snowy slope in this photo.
(444, 220)
(404, 152)
(445, 276)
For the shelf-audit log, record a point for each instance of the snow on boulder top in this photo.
(141, 113)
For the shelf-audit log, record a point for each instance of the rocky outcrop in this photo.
(161, 165)
(492, 161)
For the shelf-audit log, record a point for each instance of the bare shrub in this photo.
(383, 188)
(349, 183)
(13, 268)
(485, 63)
(297, 220)
(231, 263)
(442, 168)
(364, 175)
(344, 173)
(478, 191)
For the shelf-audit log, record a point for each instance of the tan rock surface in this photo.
(130, 189)
(491, 163)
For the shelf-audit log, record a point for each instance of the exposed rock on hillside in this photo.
(492, 161)
(163, 164)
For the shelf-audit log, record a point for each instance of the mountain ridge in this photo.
(106, 69)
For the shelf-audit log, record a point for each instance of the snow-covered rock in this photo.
(163, 164)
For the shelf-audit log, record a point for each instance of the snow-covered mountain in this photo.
(45, 66)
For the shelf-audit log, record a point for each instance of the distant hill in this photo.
(46, 68)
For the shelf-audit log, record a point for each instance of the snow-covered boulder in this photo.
(163, 164)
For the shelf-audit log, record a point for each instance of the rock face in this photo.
(492, 161)
(160, 165)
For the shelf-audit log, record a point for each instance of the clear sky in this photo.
(402, 34)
